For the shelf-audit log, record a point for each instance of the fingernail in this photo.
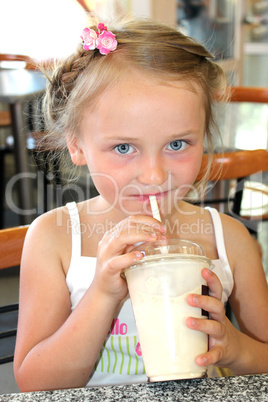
(208, 271)
(204, 360)
(195, 299)
(138, 254)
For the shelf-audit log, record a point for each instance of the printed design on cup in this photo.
(121, 353)
(204, 292)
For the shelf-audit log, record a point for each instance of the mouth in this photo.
(145, 197)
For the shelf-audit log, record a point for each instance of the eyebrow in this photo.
(171, 136)
(122, 139)
(186, 133)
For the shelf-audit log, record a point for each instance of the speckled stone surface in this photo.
(243, 388)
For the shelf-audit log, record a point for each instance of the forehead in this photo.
(142, 104)
(136, 87)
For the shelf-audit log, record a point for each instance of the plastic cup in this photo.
(158, 286)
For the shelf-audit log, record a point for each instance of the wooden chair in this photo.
(248, 94)
(239, 165)
(236, 168)
(11, 243)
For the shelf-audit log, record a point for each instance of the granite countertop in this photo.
(240, 388)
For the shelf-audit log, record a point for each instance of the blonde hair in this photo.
(148, 47)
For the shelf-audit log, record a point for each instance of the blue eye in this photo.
(124, 148)
(176, 145)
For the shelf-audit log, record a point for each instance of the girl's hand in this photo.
(115, 252)
(224, 343)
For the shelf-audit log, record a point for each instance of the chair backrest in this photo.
(11, 244)
(248, 94)
(235, 165)
(29, 63)
(238, 166)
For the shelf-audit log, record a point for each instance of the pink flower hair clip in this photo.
(103, 40)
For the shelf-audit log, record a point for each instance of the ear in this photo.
(77, 155)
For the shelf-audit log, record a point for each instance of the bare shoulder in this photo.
(53, 220)
(49, 236)
(242, 249)
(234, 230)
(232, 227)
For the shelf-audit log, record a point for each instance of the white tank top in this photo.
(120, 360)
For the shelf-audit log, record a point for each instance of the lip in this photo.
(145, 197)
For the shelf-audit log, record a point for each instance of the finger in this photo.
(212, 328)
(210, 304)
(214, 355)
(116, 245)
(149, 221)
(116, 264)
(141, 222)
(126, 234)
(213, 282)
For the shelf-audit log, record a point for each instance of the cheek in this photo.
(106, 185)
(110, 183)
(198, 163)
(104, 169)
(186, 173)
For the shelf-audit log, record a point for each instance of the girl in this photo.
(135, 105)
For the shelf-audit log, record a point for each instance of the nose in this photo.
(152, 171)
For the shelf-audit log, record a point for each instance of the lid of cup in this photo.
(171, 246)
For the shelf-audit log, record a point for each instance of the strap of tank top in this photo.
(216, 219)
(218, 234)
(76, 230)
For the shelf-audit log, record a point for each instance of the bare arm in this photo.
(57, 348)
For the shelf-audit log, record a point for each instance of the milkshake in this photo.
(159, 286)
